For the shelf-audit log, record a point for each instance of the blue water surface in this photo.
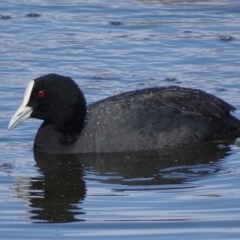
(109, 47)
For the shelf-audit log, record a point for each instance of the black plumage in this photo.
(148, 119)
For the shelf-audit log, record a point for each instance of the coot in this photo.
(148, 119)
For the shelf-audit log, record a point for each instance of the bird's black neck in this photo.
(71, 122)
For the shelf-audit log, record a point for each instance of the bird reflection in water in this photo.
(56, 196)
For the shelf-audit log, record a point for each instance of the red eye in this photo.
(40, 93)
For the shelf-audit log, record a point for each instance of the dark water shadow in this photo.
(156, 168)
(55, 196)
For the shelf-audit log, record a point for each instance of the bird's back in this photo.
(156, 118)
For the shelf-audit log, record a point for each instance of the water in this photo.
(109, 47)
